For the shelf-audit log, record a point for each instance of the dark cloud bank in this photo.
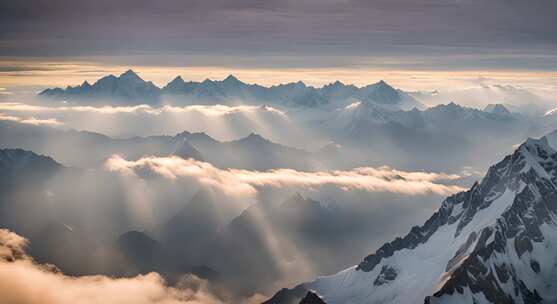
(497, 34)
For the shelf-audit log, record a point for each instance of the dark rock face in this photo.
(504, 174)
(312, 298)
(386, 275)
(510, 258)
(289, 296)
(518, 229)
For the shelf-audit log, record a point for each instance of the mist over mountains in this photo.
(375, 124)
(254, 190)
(278, 152)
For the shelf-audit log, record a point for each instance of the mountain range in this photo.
(442, 137)
(494, 243)
(360, 134)
(360, 113)
(129, 88)
(87, 149)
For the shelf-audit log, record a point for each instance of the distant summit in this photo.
(128, 88)
(185, 150)
(130, 75)
(497, 109)
(312, 298)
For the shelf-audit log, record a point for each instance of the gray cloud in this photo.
(281, 31)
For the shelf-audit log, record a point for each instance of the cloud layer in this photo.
(208, 110)
(245, 182)
(24, 281)
(31, 120)
(225, 122)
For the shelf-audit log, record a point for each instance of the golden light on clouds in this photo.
(246, 182)
(62, 73)
(23, 280)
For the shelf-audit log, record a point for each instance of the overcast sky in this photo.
(445, 35)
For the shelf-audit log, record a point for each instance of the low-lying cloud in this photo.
(208, 110)
(22, 280)
(245, 182)
(31, 120)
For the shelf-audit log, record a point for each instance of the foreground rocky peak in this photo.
(495, 243)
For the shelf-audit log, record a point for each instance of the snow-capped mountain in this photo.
(515, 98)
(128, 87)
(292, 94)
(363, 114)
(385, 95)
(495, 243)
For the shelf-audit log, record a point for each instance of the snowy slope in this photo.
(495, 243)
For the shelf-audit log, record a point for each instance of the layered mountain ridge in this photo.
(494, 243)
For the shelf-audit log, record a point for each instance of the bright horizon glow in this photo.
(44, 74)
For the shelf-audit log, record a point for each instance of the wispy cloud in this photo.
(218, 110)
(4, 91)
(31, 120)
(245, 182)
(22, 280)
(208, 110)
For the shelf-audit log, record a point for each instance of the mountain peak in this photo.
(254, 137)
(312, 298)
(185, 150)
(231, 78)
(497, 109)
(337, 83)
(177, 80)
(19, 159)
(130, 74)
(381, 84)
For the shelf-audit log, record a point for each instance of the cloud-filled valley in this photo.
(225, 192)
